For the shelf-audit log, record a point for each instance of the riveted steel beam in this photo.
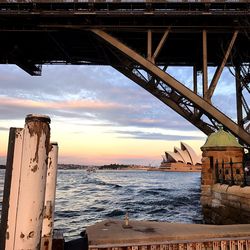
(204, 63)
(220, 68)
(159, 46)
(205, 107)
(166, 98)
(239, 96)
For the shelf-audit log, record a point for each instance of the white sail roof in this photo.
(184, 154)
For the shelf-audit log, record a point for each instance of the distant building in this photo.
(182, 159)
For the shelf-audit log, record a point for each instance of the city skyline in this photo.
(98, 116)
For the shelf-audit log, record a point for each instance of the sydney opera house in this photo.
(181, 159)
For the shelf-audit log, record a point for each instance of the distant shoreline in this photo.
(103, 167)
(116, 167)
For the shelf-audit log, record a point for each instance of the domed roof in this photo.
(221, 138)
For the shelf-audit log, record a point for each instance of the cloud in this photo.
(68, 105)
(99, 95)
(156, 136)
(114, 158)
(4, 129)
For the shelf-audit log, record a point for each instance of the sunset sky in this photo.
(98, 116)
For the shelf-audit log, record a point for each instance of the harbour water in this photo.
(85, 198)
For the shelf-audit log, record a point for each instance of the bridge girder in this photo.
(172, 92)
(198, 34)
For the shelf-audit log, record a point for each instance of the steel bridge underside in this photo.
(141, 40)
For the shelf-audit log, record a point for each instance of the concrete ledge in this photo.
(112, 232)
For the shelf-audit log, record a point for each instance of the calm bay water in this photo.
(83, 199)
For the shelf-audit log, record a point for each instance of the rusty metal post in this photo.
(244, 178)
(217, 179)
(30, 204)
(48, 221)
(11, 188)
(223, 171)
(231, 172)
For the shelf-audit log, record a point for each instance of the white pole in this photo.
(11, 188)
(30, 204)
(48, 221)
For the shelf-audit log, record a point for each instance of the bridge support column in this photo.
(204, 63)
(239, 96)
(195, 86)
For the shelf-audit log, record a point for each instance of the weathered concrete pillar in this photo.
(30, 205)
(11, 188)
(48, 221)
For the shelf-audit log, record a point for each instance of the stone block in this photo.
(206, 201)
(235, 204)
(245, 205)
(232, 197)
(217, 195)
(226, 204)
(216, 203)
(206, 188)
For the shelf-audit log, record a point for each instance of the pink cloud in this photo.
(145, 120)
(67, 105)
(108, 159)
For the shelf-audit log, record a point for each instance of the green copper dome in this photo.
(221, 138)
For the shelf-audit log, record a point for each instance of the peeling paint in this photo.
(31, 234)
(46, 243)
(22, 235)
(34, 168)
(41, 215)
(19, 132)
(36, 128)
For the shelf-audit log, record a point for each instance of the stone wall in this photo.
(223, 204)
(211, 155)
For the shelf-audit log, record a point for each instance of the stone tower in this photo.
(222, 173)
(221, 148)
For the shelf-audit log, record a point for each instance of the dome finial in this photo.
(220, 127)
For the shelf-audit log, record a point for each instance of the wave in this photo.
(115, 213)
(83, 199)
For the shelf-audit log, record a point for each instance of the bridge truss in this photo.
(141, 39)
